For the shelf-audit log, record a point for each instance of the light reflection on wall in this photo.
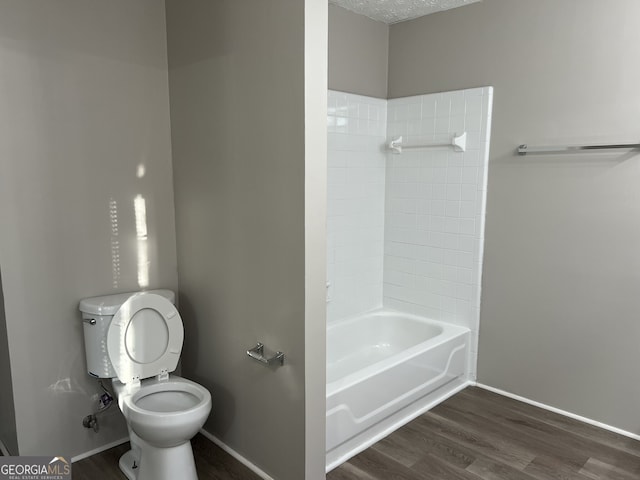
(115, 243)
(140, 209)
(66, 385)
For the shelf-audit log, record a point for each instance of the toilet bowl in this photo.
(162, 416)
(166, 413)
(136, 339)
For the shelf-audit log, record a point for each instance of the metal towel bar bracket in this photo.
(525, 149)
(257, 353)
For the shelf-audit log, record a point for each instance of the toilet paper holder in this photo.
(257, 353)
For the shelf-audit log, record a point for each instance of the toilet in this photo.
(136, 340)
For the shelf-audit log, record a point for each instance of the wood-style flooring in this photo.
(478, 435)
(474, 435)
(212, 463)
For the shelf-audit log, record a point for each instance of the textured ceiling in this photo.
(393, 11)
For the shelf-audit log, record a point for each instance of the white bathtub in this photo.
(385, 368)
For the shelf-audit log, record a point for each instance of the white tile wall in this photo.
(434, 210)
(356, 187)
(407, 230)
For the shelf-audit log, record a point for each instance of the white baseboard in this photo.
(4, 450)
(580, 418)
(211, 437)
(101, 449)
(258, 471)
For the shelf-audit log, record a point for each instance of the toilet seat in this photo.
(165, 398)
(145, 338)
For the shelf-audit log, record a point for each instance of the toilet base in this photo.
(160, 463)
(129, 465)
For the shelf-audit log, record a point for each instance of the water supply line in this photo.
(104, 403)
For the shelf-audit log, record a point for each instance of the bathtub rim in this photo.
(449, 331)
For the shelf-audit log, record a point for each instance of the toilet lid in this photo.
(145, 338)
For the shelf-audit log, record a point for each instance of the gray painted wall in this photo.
(84, 103)
(237, 78)
(358, 53)
(8, 434)
(561, 278)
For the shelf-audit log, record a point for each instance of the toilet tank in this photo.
(97, 313)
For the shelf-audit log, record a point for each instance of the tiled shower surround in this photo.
(434, 208)
(355, 211)
(406, 231)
